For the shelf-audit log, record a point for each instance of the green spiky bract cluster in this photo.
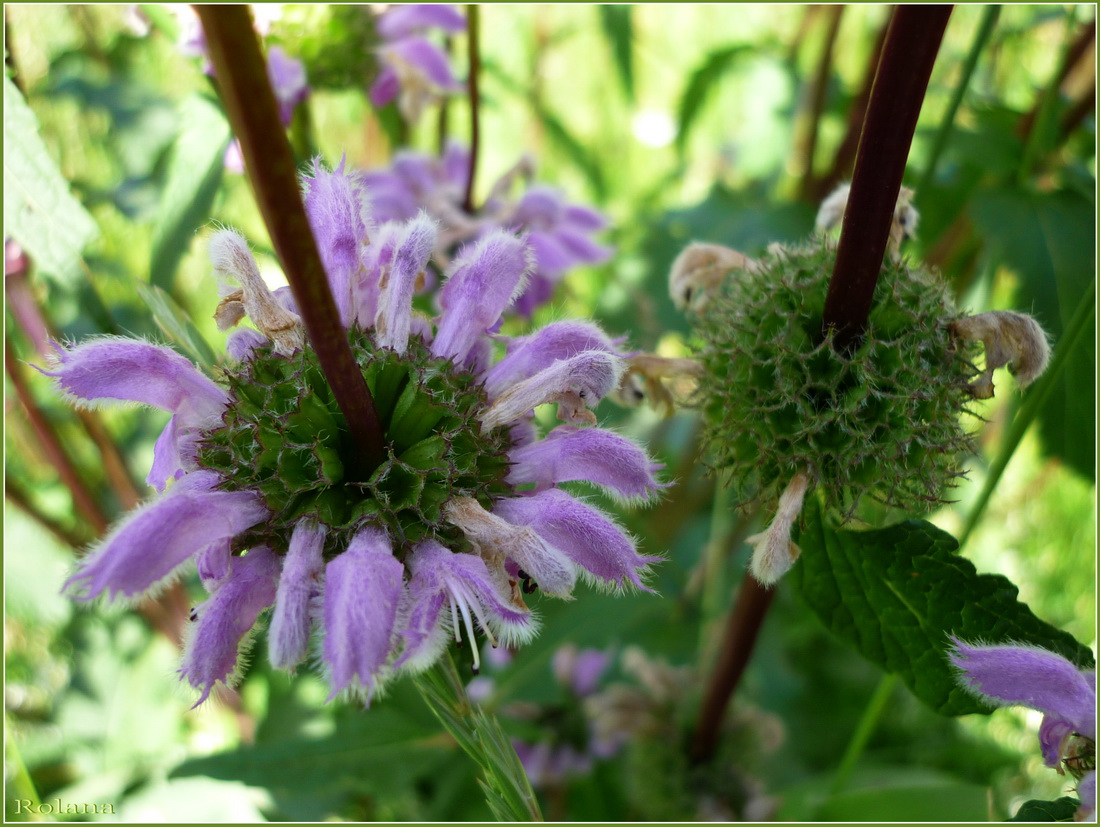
(881, 420)
(284, 436)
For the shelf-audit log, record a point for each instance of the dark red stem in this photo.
(908, 55)
(252, 111)
(749, 610)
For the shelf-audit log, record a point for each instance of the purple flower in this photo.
(1017, 675)
(372, 574)
(288, 81)
(414, 70)
(559, 234)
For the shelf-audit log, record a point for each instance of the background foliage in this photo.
(682, 123)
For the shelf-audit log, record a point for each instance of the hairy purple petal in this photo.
(299, 586)
(402, 20)
(483, 281)
(167, 462)
(227, 617)
(569, 454)
(579, 669)
(583, 249)
(575, 384)
(585, 535)
(213, 563)
(551, 256)
(135, 371)
(363, 588)
(385, 87)
(528, 355)
(1053, 733)
(336, 203)
(242, 341)
(421, 57)
(154, 540)
(440, 579)
(1086, 791)
(1032, 677)
(584, 218)
(410, 258)
(540, 208)
(288, 81)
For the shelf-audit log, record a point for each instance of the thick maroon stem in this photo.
(83, 499)
(746, 619)
(908, 55)
(473, 34)
(252, 111)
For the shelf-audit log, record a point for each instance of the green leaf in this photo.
(194, 175)
(702, 81)
(896, 593)
(951, 801)
(1060, 810)
(39, 210)
(1048, 240)
(618, 27)
(171, 319)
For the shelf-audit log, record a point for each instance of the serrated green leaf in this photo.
(39, 210)
(171, 319)
(194, 174)
(897, 593)
(618, 27)
(1061, 810)
(700, 84)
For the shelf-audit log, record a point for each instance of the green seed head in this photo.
(879, 423)
(285, 437)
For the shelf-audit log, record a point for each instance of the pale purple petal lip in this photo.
(135, 371)
(153, 541)
(585, 535)
(336, 204)
(594, 455)
(530, 354)
(1032, 677)
(483, 281)
(288, 81)
(226, 617)
(363, 588)
(427, 58)
(403, 20)
(385, 87)
(410, 258)
(299, 585)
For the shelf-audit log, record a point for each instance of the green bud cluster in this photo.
(284, 436)
(881, 421)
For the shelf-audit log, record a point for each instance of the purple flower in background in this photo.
(560, 234)
(373, 572)
(413, 69)
(1028, 676)
(288, 82)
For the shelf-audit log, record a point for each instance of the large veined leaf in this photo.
(40, 212)
(702, 81)
(896, 594)
(194, 175)
(618, 26)
(1061, 810)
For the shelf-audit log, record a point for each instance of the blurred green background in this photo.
(682, 123)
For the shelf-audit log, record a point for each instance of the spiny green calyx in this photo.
(284, 437)
(881, 420)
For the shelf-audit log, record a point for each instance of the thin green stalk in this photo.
(250, 105)
(863, 732)
(505, 783)
(985, 29)
(1033, 404)
(22, 785)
